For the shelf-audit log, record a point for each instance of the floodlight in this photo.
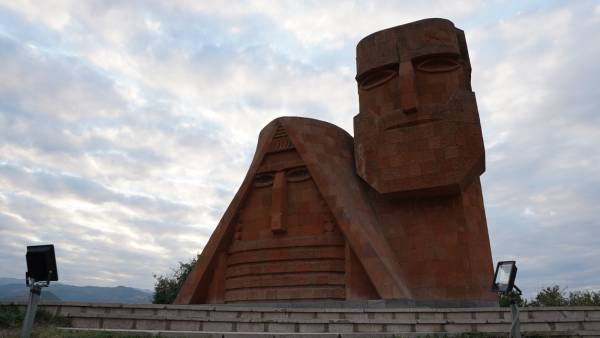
(504, 282)
(504, 277)
(41, 264)
(41, 269)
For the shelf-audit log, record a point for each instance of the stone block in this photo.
(595, 314)
(405, 316)
(398, 328)
(275, 315)
(430, 315)
(121, 311)
(328, 315)
(573, 314)
(311, 328)
(167, 312)
(185, 325)
(533, 327)
(567, 326)
(459, 316)
(253, 315)
(192, 313)
(145, 311)
(493, 327)
(383, 316)
(223, 315)
(591, 326)
(91, 323)
(428, 328)
(340, 327)
(357, 316)
(217, 326)
(485, 315)
(369, 327)
(548, 316)
(457, 328)
(72, 310)
(117, 323)
(52, 309)
(146, 324)
(281, 327)
(250, 327)
(301, 315)
(97, 310)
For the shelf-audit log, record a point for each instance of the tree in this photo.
(550, 296)
(504, 300)
(584, 298)
(166, 287)
(555, 296)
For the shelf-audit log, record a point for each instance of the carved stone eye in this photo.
(377, 78)
(439, 64)
(297, 174)
(263, 180)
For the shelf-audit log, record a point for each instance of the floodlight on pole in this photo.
(504, 283)
(41, 270)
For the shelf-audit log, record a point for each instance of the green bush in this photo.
(10, 316)
(584, 298)
(550, 296)
(505, 300)
(166, 287)
(556, 296)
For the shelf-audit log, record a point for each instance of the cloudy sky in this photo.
(126, 127)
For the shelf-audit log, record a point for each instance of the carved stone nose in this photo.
(408, 89)
(278, 203)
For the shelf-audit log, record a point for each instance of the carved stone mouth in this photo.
(410, 123)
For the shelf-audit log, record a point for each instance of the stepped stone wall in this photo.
(230, 320)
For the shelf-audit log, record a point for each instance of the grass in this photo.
(11, 320)
(52, 332)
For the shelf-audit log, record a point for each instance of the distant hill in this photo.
(15, 289)
(4, 281)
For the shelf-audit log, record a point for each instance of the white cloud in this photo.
(134, 122)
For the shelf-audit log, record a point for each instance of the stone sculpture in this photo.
(395, 213)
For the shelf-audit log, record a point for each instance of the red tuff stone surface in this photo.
(395, 213)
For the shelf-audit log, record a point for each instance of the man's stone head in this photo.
(418, 130)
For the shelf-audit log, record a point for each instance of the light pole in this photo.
(41, 269)
(504, 283)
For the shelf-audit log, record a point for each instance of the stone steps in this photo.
(227, 320)
(179, 334)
